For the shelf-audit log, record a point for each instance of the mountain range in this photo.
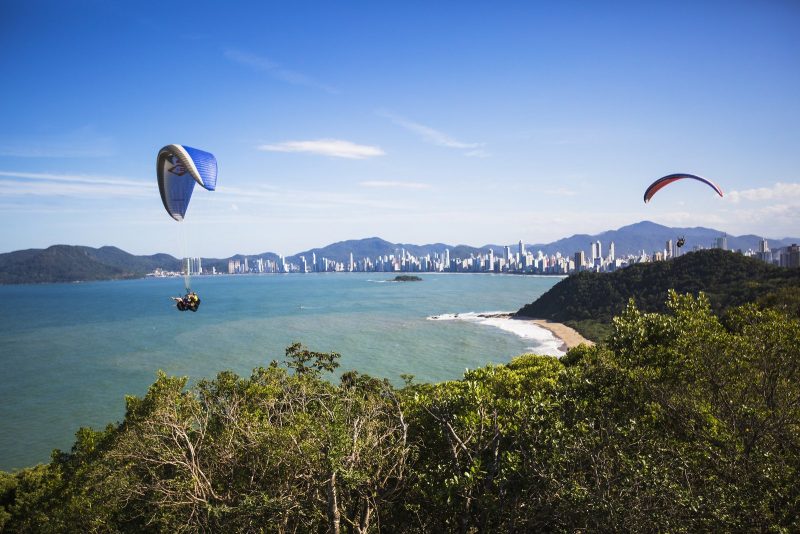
(67, 263)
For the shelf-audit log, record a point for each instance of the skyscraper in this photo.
(791, 256)
(670, 253)
(580, 260)
(722, 242)
(611, 254)
(521, 249)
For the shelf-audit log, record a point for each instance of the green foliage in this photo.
(308, 362)
(587, 301)
(681, 422)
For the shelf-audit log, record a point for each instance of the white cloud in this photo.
(779, 191)
(275, 70)
(436, 137)
(76, 185)
(394, 185)
(326, 147)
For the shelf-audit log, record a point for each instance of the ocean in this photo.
(70, 353)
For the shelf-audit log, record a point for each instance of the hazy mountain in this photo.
(649, 236)
(221, 264)
(372, 247)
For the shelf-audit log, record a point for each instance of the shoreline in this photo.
(568, 337)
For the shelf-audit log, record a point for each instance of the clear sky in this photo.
(418, 122)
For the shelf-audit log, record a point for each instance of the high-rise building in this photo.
(580, 260)
(669, 249)
(521, 249)
(791, 256)
(597, 251)
(764, 254)
(721, 242)
(611, 253)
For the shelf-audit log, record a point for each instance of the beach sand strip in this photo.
(569, 336)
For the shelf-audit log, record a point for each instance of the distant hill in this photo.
(649, 236)
(221, 264)
(372, 247)
(66, 263)
(587, 301)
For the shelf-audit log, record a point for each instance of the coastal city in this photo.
(511, 261)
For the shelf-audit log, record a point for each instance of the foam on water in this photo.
(544, 341)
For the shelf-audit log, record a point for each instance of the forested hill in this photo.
(65, 263)
(587, 301)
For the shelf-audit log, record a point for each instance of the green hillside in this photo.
(65, 263)
(587, 301)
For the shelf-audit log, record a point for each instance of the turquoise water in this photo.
(71, 352)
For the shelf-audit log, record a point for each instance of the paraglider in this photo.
(681, 241)
(656, 186)
(178, 168)
(190, 301)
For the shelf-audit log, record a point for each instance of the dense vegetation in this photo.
(588, 301)
(681, 422)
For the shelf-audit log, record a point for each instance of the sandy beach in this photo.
(569, 336)
(565, 337)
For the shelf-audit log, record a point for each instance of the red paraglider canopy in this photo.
(664, 181)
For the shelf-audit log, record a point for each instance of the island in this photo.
(406, 278)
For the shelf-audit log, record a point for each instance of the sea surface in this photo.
(70, 353)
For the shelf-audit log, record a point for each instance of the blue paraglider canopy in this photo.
(178, 168)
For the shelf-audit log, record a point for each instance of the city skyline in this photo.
(520, 262)
(438, 123)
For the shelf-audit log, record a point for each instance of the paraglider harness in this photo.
(190, 301)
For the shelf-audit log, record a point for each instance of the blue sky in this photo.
(419, 122)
